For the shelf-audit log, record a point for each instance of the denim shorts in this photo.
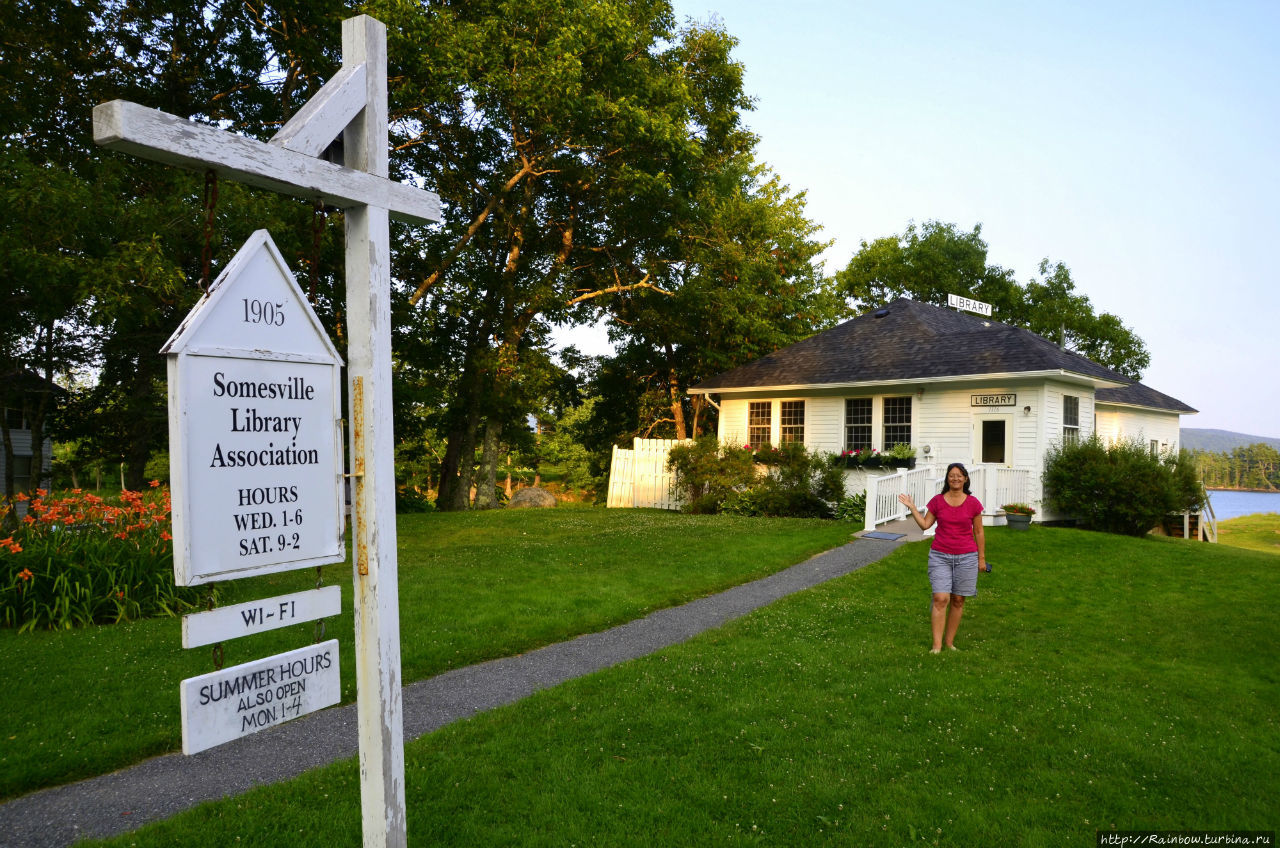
(953, 574)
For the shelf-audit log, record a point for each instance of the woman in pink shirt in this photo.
(958, 552)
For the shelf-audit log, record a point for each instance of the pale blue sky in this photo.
(1136, 142)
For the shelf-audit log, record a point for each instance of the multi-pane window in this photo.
(792, 424)
(759, 422)
(857, 424)
(897, 421)
(1070, 419)
(21, 472)
(1155, 447)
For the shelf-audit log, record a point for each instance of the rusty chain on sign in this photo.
(210, 206)
(217, 649)
(317, 236)
(319, 628)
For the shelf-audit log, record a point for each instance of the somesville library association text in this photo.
(248, 420)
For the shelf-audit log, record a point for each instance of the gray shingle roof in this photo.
(1139, 395)
(909, 341)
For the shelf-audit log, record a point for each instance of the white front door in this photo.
(993, 440)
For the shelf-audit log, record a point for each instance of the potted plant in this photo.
(1018, 515)
(901, 455)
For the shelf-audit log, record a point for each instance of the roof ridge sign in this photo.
(254, 421)
(968, 304)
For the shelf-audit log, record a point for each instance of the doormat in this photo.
(888, 537)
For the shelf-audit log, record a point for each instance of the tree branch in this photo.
(494, 200)
(618, 289)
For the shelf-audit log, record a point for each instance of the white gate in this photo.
(639, 477)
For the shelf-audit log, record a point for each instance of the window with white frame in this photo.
(857, 424)
(759, 422)
(1070, 419)
(1155, 447)
(792, 423)
(897, 421)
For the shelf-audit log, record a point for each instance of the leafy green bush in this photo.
(411, 499)
(78, 560)
(1188, 486)
(707, 473)
(853, 508)
(717, 478)
(1119, 488)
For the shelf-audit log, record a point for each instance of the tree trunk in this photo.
(673, 390)
(697, 402)
(537, 452)
(487, 485)
(456, 469)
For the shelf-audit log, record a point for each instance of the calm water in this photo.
(1234, 504)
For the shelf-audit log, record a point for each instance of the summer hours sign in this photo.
(253, 427)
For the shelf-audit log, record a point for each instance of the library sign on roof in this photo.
(256, 463)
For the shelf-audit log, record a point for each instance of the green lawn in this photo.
(1102, 682)
(1255, 532)
(473, 586)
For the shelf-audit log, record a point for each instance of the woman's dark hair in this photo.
(947, 486)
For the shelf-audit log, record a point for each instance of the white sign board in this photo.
(233, 702)
(206, 628)
(993, 400)
(255, 452)
(955, 301)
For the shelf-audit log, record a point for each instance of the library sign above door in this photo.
(256, 458)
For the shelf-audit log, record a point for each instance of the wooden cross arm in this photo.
(152, 134)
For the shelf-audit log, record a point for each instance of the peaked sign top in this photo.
(255, 309)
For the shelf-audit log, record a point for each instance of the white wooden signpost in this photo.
(354, 105)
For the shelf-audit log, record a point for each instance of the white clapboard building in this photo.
(956, 387)
(13, 387)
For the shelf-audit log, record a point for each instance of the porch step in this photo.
(906, 526)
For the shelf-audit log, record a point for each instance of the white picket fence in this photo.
(639, 477)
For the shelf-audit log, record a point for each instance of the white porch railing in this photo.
(1000, 485)
(993, 485)
(882, 494)
(1208, 523)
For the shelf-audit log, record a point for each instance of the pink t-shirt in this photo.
(955, 525)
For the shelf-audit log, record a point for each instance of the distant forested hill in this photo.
(1221, 441)
(1226, 460)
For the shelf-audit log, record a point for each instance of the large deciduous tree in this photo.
(743, 284)
(929, 262)
(571, 141)
(126, 238)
